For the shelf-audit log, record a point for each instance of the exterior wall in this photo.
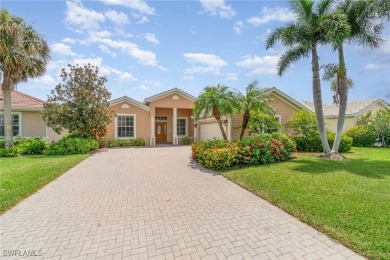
(282, 108)
(33, 124)
(142, 120)
(53, 136)
(170, 102)
(190, 122)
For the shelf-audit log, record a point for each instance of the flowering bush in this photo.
(262, 149)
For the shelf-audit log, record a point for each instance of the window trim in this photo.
(186, 125)
(279, 120)
(135, 126)
(20, 122)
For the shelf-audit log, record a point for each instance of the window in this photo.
(15, 125)
(163, 118)
(125, 127)
(272, 130)
(182, 126)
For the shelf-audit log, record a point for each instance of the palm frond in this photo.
(291, 56)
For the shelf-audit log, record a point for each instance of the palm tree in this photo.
(302, 38)
(217, 101)
(253, 101)
(357, 21)
(24, 54)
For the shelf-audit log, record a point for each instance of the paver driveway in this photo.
(156, 203)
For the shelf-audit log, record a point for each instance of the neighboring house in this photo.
(162, 118)
(354, 110)
(285, 107)
(27, 118)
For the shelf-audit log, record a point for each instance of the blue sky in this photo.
(146, 47)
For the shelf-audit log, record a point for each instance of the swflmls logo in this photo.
(22, 253)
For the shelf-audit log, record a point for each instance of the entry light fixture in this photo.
(196, 124)
(224, 121)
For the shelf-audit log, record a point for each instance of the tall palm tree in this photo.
(302, 38)
(253, 101)
(24, 54)
(217, 101)
(358, 21)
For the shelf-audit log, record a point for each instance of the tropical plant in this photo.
(215, 101)
(301, 38)
(364, 119)
(303, 123)
(359, 21)
(260, 123)
(254, 100)
(381, 125)
(24, 54)
(80, 104)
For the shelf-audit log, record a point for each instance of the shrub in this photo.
(33, 146)
(303, 123)
(362, 135)
(312, 143)
(185, 140)
(72, 145)
(126, 142)
(261, 149)
(9, 152)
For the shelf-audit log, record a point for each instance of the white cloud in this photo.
(147, 84)
(118, 18)
(231, 76)
(106, 50)
(136, 5)
(127, 76)
(143, 19)
(266, 65)
(188, 77)
(69, 40)
(78, 17)
(373, 66)
(272, 14)
(238, 26)
(204, 63)
(218, 7)
(46, 82)
(150, 37)
(62, 49)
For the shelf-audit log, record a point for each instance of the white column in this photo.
(195, 131)
(230, 128)
(152, 133)
(175, 140)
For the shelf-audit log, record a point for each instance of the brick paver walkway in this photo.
(155, 203)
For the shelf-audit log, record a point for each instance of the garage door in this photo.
(210, 131)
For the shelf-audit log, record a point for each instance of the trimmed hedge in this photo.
(312, 143)
(262, 149)
(362, 135)
(34, 145)
(72, 145)
(126, 142)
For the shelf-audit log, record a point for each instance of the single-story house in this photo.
(285, 107)
(355, 109)
(27, 118)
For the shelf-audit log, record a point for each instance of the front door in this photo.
(161, 132)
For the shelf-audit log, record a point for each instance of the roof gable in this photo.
(169, 92)
(21, 100)
(130, 100)
(287, 98)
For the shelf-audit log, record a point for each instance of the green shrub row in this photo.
(72, 145)
(312, 143)
(126, 142)
(362, 135)
(185, 140)
(34, 145)
(262, 149)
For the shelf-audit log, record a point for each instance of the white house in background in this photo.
(354, 110)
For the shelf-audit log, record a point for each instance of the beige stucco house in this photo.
(162, 118)
(355, 109)
(27, 118)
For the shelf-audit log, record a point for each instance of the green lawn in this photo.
(347, 200)
(22, 176)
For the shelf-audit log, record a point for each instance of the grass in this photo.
(22, 176)
(347, 200)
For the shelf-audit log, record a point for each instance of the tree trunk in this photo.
(317, 99)
(7, 88)
(343, 94)
(245, 120)
(221, 127)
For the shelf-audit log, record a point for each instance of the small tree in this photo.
(381, 125)
(262, 123)
(303, 123)
(80, 104)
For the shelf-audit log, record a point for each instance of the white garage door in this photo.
(210, 131)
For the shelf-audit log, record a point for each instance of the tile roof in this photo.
(21, 100)
(333, 110)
